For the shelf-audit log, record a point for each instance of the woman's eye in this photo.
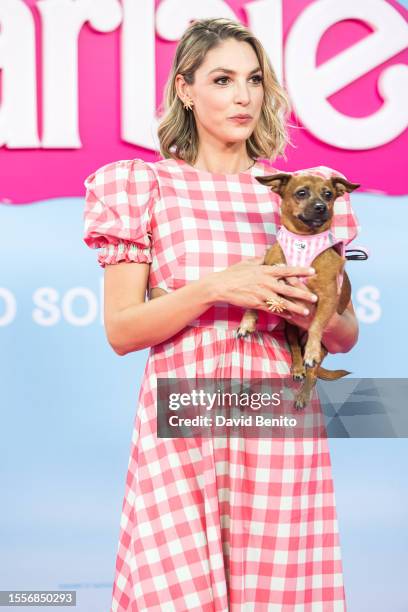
(257, 77)
(220, 79)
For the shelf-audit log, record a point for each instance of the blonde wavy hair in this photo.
(177, 131)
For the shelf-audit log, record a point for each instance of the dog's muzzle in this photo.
(315, 215)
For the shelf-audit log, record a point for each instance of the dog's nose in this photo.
(319, 207)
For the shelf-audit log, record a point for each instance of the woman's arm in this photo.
(131, 323)
(341, 332)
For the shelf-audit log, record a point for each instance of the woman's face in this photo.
(228, 83)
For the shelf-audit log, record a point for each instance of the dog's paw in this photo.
(302, 399)
(241, 332)
(300, 403)
(246, 328)
(310, 363)
(298, 372)
(311, 359)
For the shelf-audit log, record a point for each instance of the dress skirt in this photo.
(225, 524)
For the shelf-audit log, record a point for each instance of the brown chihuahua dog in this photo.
(305, 239)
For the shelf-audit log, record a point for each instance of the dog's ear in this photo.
(341, 185)
(277, 182)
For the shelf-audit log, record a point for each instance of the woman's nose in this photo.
(241, 93)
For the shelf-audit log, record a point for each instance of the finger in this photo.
(291, 307)
(284, 281)
(294, 281)
(284, 270)
(295, 292)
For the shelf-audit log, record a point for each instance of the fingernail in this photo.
(312, 270)
(314, 298)
(305, 312)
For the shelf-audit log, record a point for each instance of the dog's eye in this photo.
(301, 193)
(328, 195)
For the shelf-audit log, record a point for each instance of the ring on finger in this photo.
(275, 304)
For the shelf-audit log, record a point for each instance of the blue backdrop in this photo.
(68, 405)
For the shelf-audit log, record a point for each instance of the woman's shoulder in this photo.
(123, 170)
(168, 167)
(119, 205)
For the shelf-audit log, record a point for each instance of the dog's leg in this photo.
(274, 255)
(309, 382)
(345, 294)
(326, 307)
(248, 323)
(292, 336)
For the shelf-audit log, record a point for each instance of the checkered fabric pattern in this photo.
(300, 250)
(214, 524)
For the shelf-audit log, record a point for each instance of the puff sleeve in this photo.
(345, 224)
(118, 211)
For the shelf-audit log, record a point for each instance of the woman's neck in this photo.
(228, 164)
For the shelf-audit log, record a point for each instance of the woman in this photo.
(214, 524)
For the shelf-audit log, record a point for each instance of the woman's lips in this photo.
(241, 119)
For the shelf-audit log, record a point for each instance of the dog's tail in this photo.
(331, 374)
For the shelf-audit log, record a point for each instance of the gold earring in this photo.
(188, 105)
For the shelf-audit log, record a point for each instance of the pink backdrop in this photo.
(33, 174)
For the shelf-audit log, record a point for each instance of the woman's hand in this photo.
(249, 284)
(303, 321)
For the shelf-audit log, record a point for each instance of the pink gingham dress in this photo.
(213, 524)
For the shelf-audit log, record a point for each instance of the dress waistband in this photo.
(227, 316)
